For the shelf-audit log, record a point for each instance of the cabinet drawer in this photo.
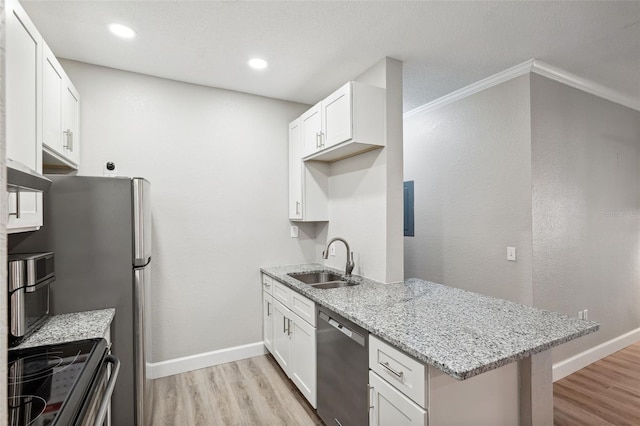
(400, 370)
(267, 283)
(281, 293)
(305, 308)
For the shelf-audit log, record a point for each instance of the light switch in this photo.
(294, 231)
(511, 254)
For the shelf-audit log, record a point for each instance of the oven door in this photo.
(28, 308)
(96, 406)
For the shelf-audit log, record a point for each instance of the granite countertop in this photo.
(70, 327)
(459, 332)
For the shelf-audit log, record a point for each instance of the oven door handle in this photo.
(32, 288)
(104, 405)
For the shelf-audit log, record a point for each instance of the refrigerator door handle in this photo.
(142, 349)
(141, 221)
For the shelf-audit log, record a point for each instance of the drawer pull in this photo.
(398, 374)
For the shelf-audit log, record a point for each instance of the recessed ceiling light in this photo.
(258, 63)
(122, 31)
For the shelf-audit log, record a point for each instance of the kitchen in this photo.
(185, 138)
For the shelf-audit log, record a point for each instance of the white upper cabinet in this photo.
(295, 171)
(308, 182)
(71, 122)
(41, 113)
(52, 86)
(60, 110)
(311, 130)
(23, 113)
(349, 121)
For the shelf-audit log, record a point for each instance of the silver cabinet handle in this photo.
(398, 374)
(321, 139)
(69, 135)
(318, 141)
(297, 207)
(284, 324)
(288, 326)
(369, 398)
(266, 284)
(268, 310)
(17, 213)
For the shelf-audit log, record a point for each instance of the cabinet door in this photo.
(337, 117)
(281, 335)
(267, 320)
(303, 358)
(295, 171)
(52, 84)
(389, 407)
(23, 63)
(311, 129)
(70, 122)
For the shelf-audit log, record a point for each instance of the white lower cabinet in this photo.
(281, 341)
(389, 407)
(303, 358)
(267, 320)
(294, 348)
(407, 392)
(290, 335)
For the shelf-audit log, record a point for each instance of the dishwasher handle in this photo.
(356, 337)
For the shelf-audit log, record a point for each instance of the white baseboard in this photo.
(571, 365)
(203, 360)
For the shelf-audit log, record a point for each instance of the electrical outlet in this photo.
(511, 254)
(332, 250)
(294, 231)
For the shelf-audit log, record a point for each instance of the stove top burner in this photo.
(25, 409)
(47, 385)
(33, 367)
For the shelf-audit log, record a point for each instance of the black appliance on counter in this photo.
(67, 384)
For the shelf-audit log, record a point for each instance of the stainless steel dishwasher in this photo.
(343, 370)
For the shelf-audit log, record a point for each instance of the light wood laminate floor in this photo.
(256, 392)
(252, 392)
(604, 393)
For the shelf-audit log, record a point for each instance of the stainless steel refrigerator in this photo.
(100, 231)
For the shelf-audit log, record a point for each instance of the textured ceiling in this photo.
(313, 47)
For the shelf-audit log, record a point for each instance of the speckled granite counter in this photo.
(457, 331)
(70, 327)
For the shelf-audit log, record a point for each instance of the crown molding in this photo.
(538, 67)
(596, 89)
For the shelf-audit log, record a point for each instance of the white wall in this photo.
(586, 209)
(547, 168)
(365, 192)
(217, 161)
(471, 164)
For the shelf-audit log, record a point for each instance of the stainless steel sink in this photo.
(333, 284)
(315, 277)
(322, 279)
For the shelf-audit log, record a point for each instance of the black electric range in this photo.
(53, 385)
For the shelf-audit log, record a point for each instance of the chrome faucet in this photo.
(349, 268)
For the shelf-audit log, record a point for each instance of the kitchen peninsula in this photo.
(458, 333)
